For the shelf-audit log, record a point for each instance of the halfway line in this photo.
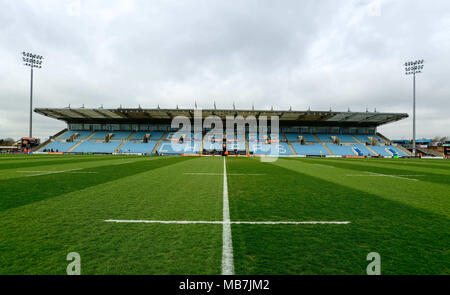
(227, 244)
(222, 222)
(206, 173)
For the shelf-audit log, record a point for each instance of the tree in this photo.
(7, 141)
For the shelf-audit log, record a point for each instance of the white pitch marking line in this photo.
(324, 165)
(43, 172)
(163, 221)
(125, 162)
(205, 173)
(227, 243)
(386, 175)
(221, 222)
(290, 222)
(54, 172)
(36, 171)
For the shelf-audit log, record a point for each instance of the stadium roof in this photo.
(71, 115)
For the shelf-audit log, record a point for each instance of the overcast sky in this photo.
(319, 54)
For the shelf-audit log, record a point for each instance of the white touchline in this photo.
(227, 244)
(221, 222)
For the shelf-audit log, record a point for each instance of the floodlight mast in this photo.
(413, 68)
(33, 61)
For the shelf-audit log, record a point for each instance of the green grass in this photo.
(43, 217)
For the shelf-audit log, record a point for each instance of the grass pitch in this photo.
(53, 205)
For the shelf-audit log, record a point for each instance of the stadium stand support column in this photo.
(292, 149)
(325, 146)
(370, 149)
(357, 140)
(80, 142)
(317, 138)
(247, 150)
(201, 144)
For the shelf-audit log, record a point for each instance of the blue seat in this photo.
(237, 145)
(60, 146)
(120, 135)
(381, 150)
(315, 149)
(362, 138)
(97, 147)
(138, 147)
(81, 134)
(396, 150)
(100, 134)
(364, 150)
(154, 135)
(281, 148)
(324, 137)
(168, 147)
(341, 150)
(346, 138)
(212, 145)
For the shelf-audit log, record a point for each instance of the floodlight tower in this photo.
(33, 61)
(413, 68)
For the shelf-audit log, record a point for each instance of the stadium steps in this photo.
(355, 150)
(156, 147)
(119, 147)
(318, 140)
(389, 151)
(80, 142)
(131, 136)
(370, 149)
(247, 149)
(425, 151)
(124, 141)
(49, 140)
(41, 146)
(388, 141)
(325, 146)
(407, 152)
(384, 138)
(285, 138)
(292, 149)
(357, 140)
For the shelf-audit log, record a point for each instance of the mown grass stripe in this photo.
(17, 192)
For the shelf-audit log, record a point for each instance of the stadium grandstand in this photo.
(149, 132)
